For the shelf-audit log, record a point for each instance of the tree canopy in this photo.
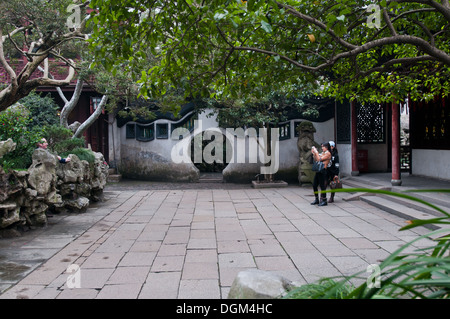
(34, 30)
(235, 48)
(43, 43)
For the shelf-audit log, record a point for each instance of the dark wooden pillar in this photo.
(355, 169)
(396, 172)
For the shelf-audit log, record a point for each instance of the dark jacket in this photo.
(333, 170)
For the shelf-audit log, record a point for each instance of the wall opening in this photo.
(209, 151)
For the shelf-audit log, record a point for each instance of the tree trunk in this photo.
(70, 105)
(94, 116)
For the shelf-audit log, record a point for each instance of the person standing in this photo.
(320, 179)
(333, 170)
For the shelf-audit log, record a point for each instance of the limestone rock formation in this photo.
(7, 147)
(27, 196)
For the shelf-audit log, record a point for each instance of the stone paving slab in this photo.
(191, 243)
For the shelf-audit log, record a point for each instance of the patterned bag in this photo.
(335, 183)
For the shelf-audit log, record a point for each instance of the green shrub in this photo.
(68, 145)
(43, 109)
(60, 139)
(14, 124)
(82, 153)
(55, 134)
(324, 288)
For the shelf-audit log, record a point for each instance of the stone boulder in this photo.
(42, 172)
(80, 204)
(11, 214)
(80, 182)
(259, 284)
(99, 177)
(7, 147)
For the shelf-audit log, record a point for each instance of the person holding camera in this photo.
(320, 179)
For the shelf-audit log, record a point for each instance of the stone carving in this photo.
(305, 142)
(26, 196)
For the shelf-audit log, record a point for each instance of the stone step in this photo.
(349, 183)
(274, 184)
(114, 178)
(403, 202)
(211, 178)
(210, 181)
(399, 209)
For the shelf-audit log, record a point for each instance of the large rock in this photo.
(259, 284)
(79, 205)
(99, 178)
(26, 196)
(11, 214)
(42, 172)
(7, 147)
(75, 171)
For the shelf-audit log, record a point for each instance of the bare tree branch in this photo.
(4, 63)
(20, 83)
(34, 83)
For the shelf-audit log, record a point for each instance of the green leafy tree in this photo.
(43, 109)
(234, 48)
(15, 123)
(35, 30)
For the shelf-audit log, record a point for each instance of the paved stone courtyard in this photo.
(192, 243)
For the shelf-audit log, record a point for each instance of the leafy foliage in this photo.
(60, 139)
(242, 49)
(43, 109)
(14, 124)
(319, 290)
(82, 153)
(270, 110)
(27, 123)
(35, 29)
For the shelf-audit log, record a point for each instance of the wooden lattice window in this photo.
(131, 131)
(371, 123)
(162, 130)
(344, 126)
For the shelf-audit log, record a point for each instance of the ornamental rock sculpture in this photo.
(305, 142)
(48, 186)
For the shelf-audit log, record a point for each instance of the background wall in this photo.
(431, 163)
(152, 160)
